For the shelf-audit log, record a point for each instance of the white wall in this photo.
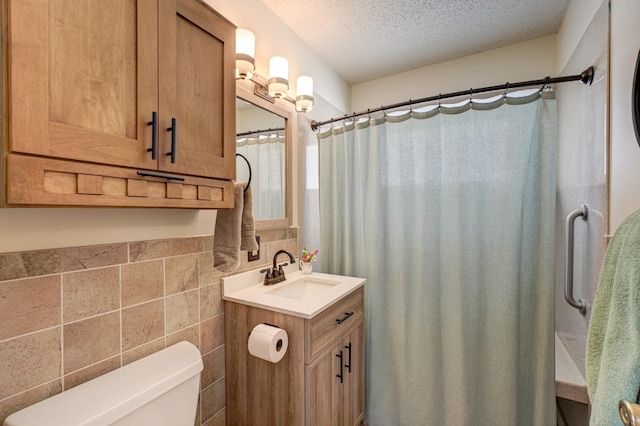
(624, 173)
(523, 61)
(579, 15)
(273, 38)
(34, 228)
(625, 152)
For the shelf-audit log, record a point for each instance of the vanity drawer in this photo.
(329, 324)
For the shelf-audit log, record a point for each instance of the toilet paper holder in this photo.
(268, 342)
(265, 323)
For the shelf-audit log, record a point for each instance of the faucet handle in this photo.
(268, 271)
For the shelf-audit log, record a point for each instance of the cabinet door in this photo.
(353, 388)
(323, 389)
(197, 90)
(83, 79)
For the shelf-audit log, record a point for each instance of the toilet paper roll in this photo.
(268, 342)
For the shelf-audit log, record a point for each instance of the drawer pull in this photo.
(341, 375)
(345, 317)
(160, 175)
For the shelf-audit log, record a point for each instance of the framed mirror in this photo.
(635, 100)
(264, 133)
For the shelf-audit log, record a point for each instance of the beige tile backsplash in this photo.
(142, 281)
(72, 314)
(90, 293)
(34, 305)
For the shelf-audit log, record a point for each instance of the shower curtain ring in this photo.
(506, 89)
(369, 114)
(410, 107)
(439, 101)
(384, 113)
(546, 83)
(471, 95)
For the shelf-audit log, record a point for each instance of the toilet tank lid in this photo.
(111, 396)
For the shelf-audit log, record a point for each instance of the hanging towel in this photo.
(248, 228)
(230, 228)
(613, 339)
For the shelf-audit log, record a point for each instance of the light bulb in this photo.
(304, 94)
(278, 77)
(245, 53)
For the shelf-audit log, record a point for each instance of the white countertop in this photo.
(247, 288)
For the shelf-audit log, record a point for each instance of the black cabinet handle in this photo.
(173, 129)
(341, 375)
(345, 317)
(348, 366)
(160, 175)
(154, 135)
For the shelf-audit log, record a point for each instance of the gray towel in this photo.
(248, 227)
(232, 233)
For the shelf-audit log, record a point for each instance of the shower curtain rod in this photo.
(585, 77)
(255, 132)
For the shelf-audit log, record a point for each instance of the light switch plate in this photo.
(255, 254)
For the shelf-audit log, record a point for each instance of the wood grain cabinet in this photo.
(102, 95)
(335, 382)
(320, 381)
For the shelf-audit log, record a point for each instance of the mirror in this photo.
(263, 138)
(635, 100)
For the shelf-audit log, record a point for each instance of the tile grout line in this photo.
(164, 298)
(121, 326)
(62, 351)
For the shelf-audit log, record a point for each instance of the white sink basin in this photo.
(304, 288)
(300, 295)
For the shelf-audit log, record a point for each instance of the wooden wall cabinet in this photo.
(320, 381)
(97, 91)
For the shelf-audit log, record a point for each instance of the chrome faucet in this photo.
(274, 275)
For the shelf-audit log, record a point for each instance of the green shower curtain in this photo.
(449, 213)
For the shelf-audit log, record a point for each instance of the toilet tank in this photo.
(160, 389)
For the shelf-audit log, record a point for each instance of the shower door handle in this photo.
(581, 304)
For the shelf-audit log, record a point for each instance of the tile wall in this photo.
(71, 314)
(582, 179)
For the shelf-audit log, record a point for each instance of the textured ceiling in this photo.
(367, 39)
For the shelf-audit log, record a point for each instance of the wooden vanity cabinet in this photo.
(97, 91)
(304, 388)
(335, 381)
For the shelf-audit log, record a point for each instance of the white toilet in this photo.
(161, 389)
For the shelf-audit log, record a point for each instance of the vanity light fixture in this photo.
(277, 85)
(245, 52)
(278, 77)
(304, 94)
